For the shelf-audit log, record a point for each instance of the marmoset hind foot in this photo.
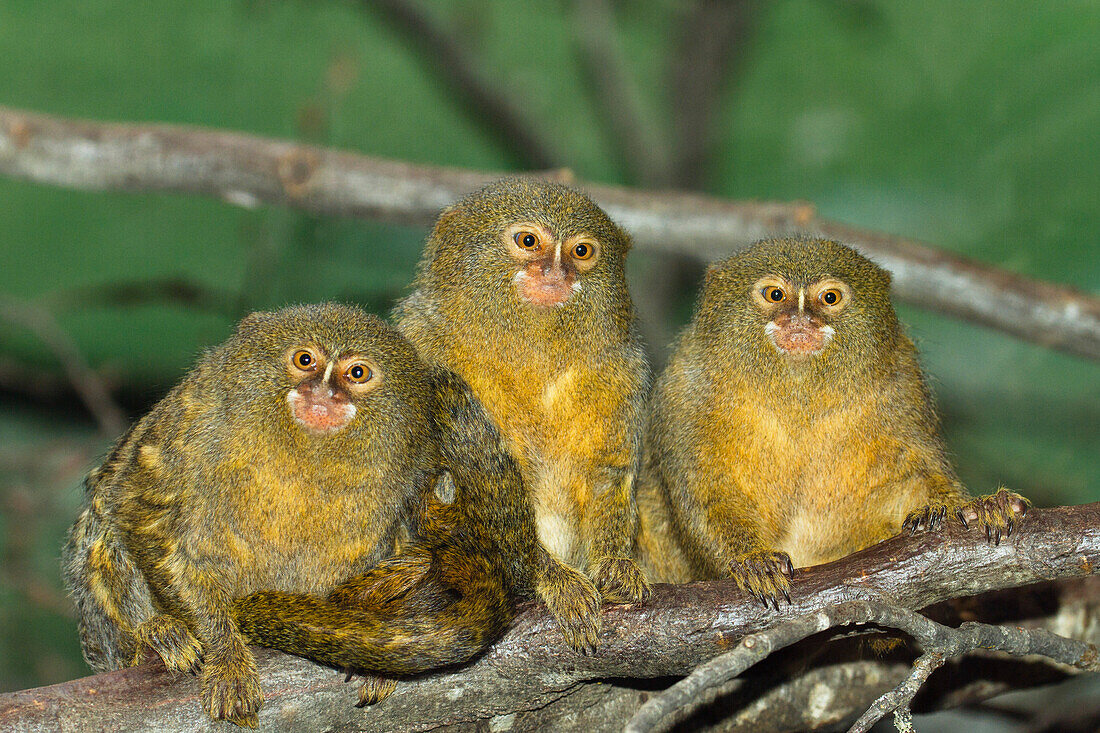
(231, 688)
(574, 601)
(999, 514)
(172, 641)
(620, 580)
(764, 574)
(373, 689)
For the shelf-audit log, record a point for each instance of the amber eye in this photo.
(304, 360)
(527, 240)
(359, 373)
(832, 296)
(774, 295)
(583, 251)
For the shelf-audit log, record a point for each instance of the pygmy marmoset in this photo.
(522, 291)
(793, 426)
(285, 461)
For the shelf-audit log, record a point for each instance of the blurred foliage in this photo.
(970, 125)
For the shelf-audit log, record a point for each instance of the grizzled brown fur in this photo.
(793, 426)
(522, 291)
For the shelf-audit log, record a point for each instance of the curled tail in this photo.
(110, 593)
(419, 611)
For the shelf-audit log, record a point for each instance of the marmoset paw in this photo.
(1000, 514)
(764, 574)
(374, 689)
(620, 580)
(927, 518)
(172, 641)
(575, 603)
(232, 691)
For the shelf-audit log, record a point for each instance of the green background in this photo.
(973, 126)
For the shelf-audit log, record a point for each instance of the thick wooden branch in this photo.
(250, 171)
(530, 669)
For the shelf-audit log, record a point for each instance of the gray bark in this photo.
(529, 678)
(250, 171)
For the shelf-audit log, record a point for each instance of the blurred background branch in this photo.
(91, 388)
(632, 131)
(467, 80)
(249, 170)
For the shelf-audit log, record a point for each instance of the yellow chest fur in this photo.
(564, 426)
(816, 482)
(303, 533)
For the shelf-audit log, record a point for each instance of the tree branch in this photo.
(641, 150)
(940, 642)
(250, 171)
(93, 392)
(530, 668)
(446, 53)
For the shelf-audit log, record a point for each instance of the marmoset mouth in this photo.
(799, 338)
(548, 292)
(319, 413)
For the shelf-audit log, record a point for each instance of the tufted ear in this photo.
(715, 274)
(625, 238)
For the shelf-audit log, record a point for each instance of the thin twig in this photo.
(463, 74)
(939, 641)
(644, 155)
(90, 387)
(899, 699)
(249, 171)
(942, 642)
(660, 712)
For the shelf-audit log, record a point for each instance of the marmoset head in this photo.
(800, 300)
(542, 244)
(329, 368)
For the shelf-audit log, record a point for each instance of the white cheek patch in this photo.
(520, 277)
(770, 328)
(828, 332)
